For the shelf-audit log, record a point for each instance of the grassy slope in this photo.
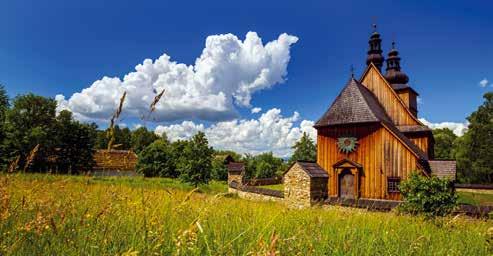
(60, 215)
(279, 187)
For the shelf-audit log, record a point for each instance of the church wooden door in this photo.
(346, 184)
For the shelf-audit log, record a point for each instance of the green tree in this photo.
(219, 170)
(461, 152)
(430, 196)
(74, 144)
(444, 143)
(157, 160)
(30, 122)
(194, 165)
(123, 138)
(475, 150)
(264, 165)
(4, 105)
(141, 138)
(304, 150)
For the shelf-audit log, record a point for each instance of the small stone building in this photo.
(236, 171)
(305, 183)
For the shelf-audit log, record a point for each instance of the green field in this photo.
(473, 198)
(64, 215)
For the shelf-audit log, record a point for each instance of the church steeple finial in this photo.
(394, 74)
(375, 50)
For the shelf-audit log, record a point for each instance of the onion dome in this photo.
(394, 74)
(375, 51)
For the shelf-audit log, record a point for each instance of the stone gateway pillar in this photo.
(236, 173)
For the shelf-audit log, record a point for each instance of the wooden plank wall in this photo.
(422, 143)
(388, 98)
(379, 152)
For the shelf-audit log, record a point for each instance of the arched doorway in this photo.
(346, 184)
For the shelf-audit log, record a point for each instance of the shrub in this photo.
(430, 196)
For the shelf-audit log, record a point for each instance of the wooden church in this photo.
(370, 138)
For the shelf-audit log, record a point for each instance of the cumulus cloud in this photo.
(458, 128)
(270, 132)
(227, 73)
(256, 110)
(484, 82)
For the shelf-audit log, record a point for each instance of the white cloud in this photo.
(227, 72)
(270, 132)
(458, 128)
(256, 110)
(136, 126)
(484, 82)
(419, 100)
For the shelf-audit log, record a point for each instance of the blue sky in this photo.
(62, 47)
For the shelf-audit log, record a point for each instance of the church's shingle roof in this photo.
(357, 104)
(413, 128)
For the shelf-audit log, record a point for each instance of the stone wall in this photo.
(256, 195)
(319, 189)
(297, 187)
(235, 177)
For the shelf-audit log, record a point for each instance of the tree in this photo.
(4, 105)
(444, 143)
(74, 144)
(194, 165)
(264, 165)
(430, 196)
(142, 138)
(475, 150)
(304, 150)
(30, 122)
(157, 160)
(123, 138)
(219, 170)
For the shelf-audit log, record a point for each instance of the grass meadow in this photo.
(68, 215)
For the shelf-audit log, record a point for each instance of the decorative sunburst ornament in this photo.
(347, 144)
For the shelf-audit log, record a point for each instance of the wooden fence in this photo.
(474, 186)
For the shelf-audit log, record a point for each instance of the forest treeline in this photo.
(34, 138)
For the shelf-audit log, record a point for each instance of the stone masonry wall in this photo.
(297, 187)
(319, 188)
(237, 177)
(254, 196)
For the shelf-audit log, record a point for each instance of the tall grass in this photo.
(63, 215)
